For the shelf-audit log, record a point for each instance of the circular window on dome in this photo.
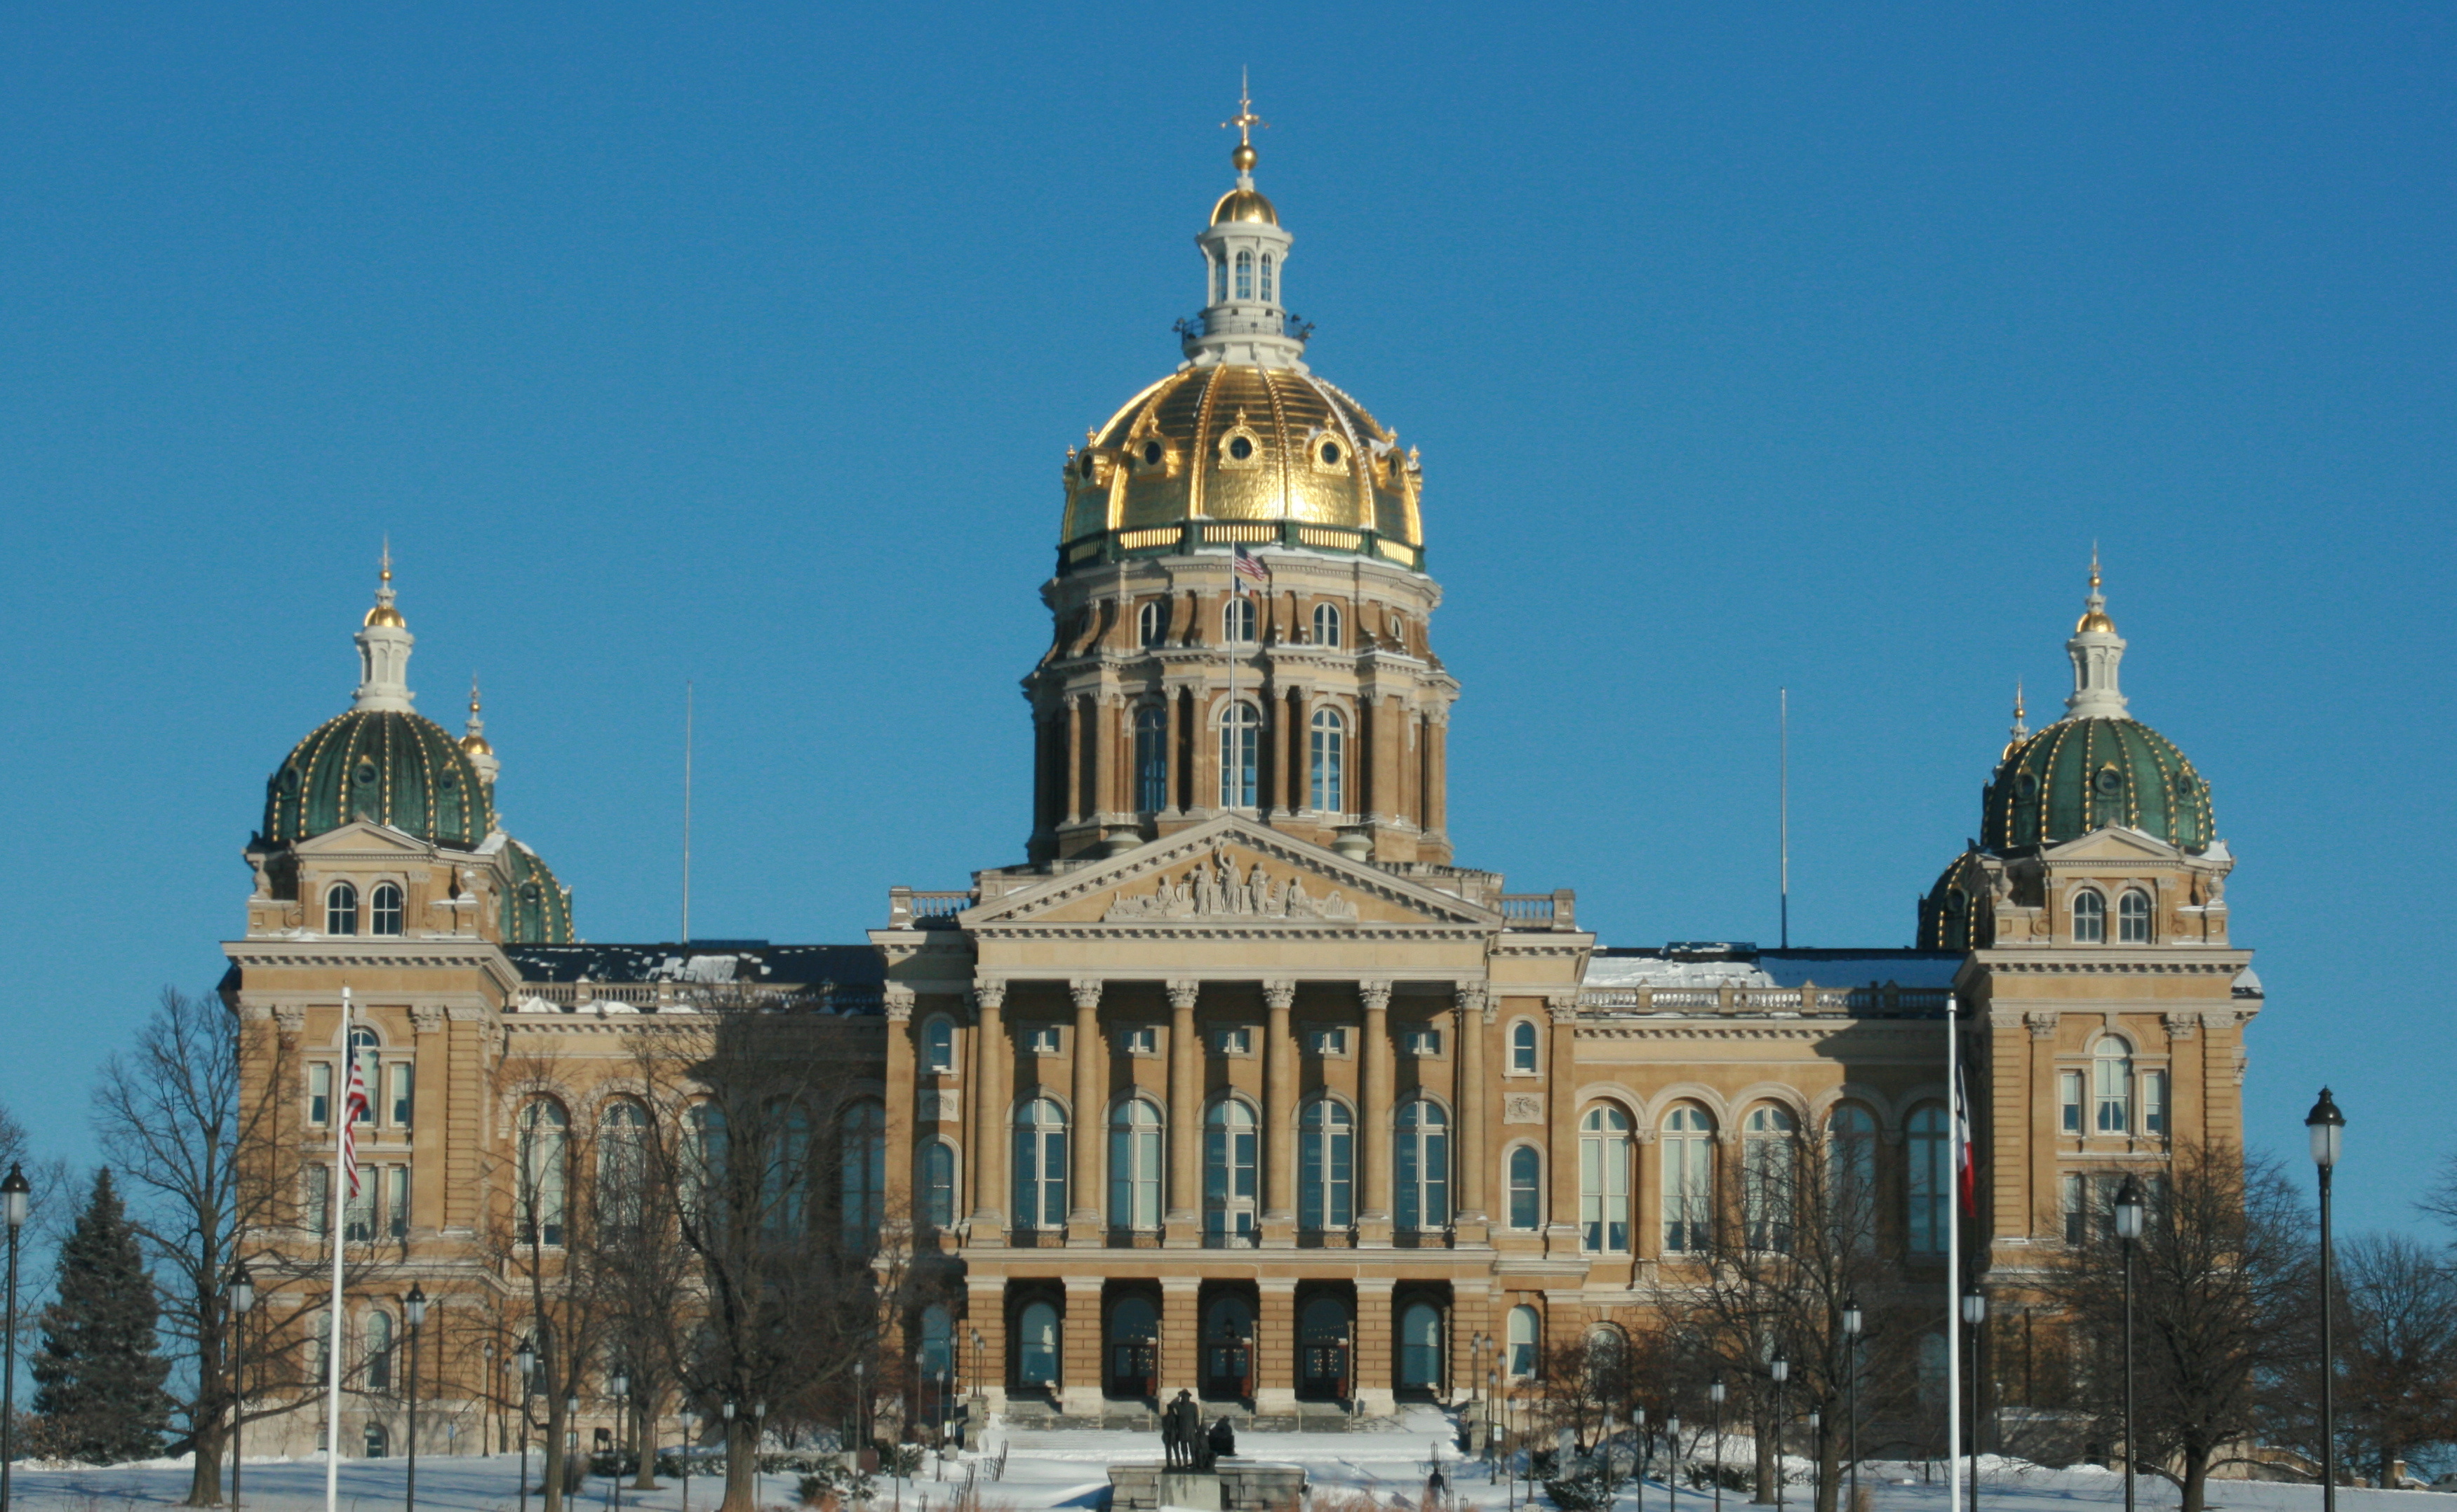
(289, 779)
(366, 772)
(2108, 780)
(2026, 785)
(1152, 453)
(1085, 465)
(1330, 454)
(1240, 448)
(449, 781)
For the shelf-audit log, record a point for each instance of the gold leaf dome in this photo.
(1231, 442)
(1244, 204)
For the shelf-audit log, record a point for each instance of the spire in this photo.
(384, 651)
(2020, 731)
(1244, 266)
(2097, 650)
(1244, 120)
(473, 744)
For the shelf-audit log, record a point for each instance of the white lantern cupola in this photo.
(1245, 269)
(2096, 652)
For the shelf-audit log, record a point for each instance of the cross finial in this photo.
(2094, 567)
(1244, 120)
(473, 696)
(387, 557)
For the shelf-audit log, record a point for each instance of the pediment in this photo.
(362, 838)
(2114, 844)
(1231, 873)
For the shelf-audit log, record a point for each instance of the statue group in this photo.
(1184, 1441)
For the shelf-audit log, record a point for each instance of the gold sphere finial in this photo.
(474, 741)
(2093, 619)
(384, 615)
(1244, 120)
(1243, 158)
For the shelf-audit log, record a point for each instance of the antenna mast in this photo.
(686, 800)
(1783, 802)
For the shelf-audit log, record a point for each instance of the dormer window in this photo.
(341, 909)
(2132, 917)
(384, 909)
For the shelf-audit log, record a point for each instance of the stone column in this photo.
(1279, 1219)
(1181, 1344)
(429, 1131)
(902, 1088)
(1276, 1347)
(1072, 807)
(1090, 1124)
(985, 1368)
(1079, 1380)
(1373, 1213)
(469, 1064)
(991, 1116)
(2041, 1170)
(1470, 1024)
(1561, 1114)
(1183, 1228)
(1376, 1362)
(1646, 1198)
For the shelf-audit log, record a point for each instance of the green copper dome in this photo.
(537, 908)
(1948, 915)
(2084, 773)
(385, 766)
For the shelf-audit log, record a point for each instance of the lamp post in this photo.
(570, 1429)
(1672, 1461)
(1779, 1369)
(1715, 1471)
(1637, 1453)
(690, 1430)
(2128, 1229)
(620, 1384)
(1851, 1321)
(755, 1462)
(242, 1303)
(758, 1435)
(1974, 1315)
(2327, 1127)
(413, 1308)
(16, 1195)
(1816, 1458)
(1492, 1420)
(524, 1360)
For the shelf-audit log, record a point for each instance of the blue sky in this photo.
(1747, 348)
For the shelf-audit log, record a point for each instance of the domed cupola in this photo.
(381, 761)
(2098, 766)
(537, 908)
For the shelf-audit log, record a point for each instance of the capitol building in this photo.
(1238, 1080)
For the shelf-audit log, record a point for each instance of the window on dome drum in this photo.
(341, 909)
(384, 910)
(1229, 1140)
(861, 1134)
(1245, 275)
(1526, 1188)
(1326, 1165)
(1151, 759)
(1852, 1174)
(1151, 622)
(1237, 618)
(319, 1094)
(1241, 740)
(2154, 1102)
(1134, 1166)
(1522, 1047)
(1604, 1181)
(2089, 918)
(938, 1047)
(1423, 1165)
(2069, 1102)
(938, 1184)
(2132, 917)
(544, 1150)
(1329, 758)
(1326, 625)
(401, 1074)
(1040, 1165)
(1525, 1335)
(1220, 282)
(1266, 277)
(1688, 1156)
(1929, 1183)
(2111, 1086)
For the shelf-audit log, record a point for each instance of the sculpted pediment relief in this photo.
(1215, 888)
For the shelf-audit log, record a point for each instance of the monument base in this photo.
(1230, 1485)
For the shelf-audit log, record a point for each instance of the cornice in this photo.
(1268, 930)
(2011, 965)
(1724, 1028)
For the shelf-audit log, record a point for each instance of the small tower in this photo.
(2096, 649)
(473, 742)
(383, 652)
(1244, 268)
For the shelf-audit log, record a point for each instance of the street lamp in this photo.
(2327, 1127)
(2128, 1228)
(1816, 1458)
(1636, 1453)
(620, 1385)
(1715, 1471)
(15, 1196)
(242, 1303)
(1779, 1369)
(1974, 1315)
(1851, 1321)
(525, 1361)
(413, 1307)
(1672, 1461)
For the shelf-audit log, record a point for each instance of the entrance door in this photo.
(1134, 1347)
(1421, 1349)
(1229, 1351)
(1323, 1350)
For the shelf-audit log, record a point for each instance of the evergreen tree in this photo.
(98, 1374)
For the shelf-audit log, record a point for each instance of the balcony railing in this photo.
(1194, 327)
(1874, 1002)
(913, 908)
(1553, 910)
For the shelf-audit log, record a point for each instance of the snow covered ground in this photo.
(1050, 1470)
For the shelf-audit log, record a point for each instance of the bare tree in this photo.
(2220, 1295)
(2398, 1348)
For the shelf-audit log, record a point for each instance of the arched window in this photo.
(1266, 277)
(1688, 1178)
(341, 909)
(1423, 1165)
(1769, 1170)
(1326, 625)
(1134, 1166)
(1041, 1164)
(1228, 1173)
(1151, 625)
(938, 1184)
(1526, 1341)
(1245, 275)
(1420, 1348)
(861, 1154)
(546, 1131)
(1329, 762)
(1220, 282)
(379, 1352)
(1036, 1339)
(937, 1352)
(2090, 918)
(1526, 1188)
(785, 1179)
(1241, 740)
(1522, 1047)
(2111, 1086)
(1928, 1182)
(938, 1046)
(1852, 1173)
(1326, 1165)
(384, 909)
(622, 1162)
(1603, 1180)
(704, 1159)
(2132, 917)
(1151, 759)
(1237, 621)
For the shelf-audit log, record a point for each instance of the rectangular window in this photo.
(1326, 1042)
(1239, 1041)
(319, 1094)
(2154, 1102)
(397, 1201)
(1143, 1040)
(1043, 1040)
(2069, 1100)
(358, 1213)
(1421, 1042)
(2070, 1190)
(314, 1198)
(401, 1073)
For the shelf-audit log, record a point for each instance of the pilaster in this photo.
(1279, 1218)
(1373, 1214)
(1182, 1228)
(1079, 1362)
(1083, 1222)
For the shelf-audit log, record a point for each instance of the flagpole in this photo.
(337, 1199)
(1953, 1255)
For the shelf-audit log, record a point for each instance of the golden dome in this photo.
(384, 613)
(1244, 204)
(387, 615)
(2095, 621)
(1236, 443)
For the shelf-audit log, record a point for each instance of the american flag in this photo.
(354, 1108)
(1966, 1170)
(1249, 569)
